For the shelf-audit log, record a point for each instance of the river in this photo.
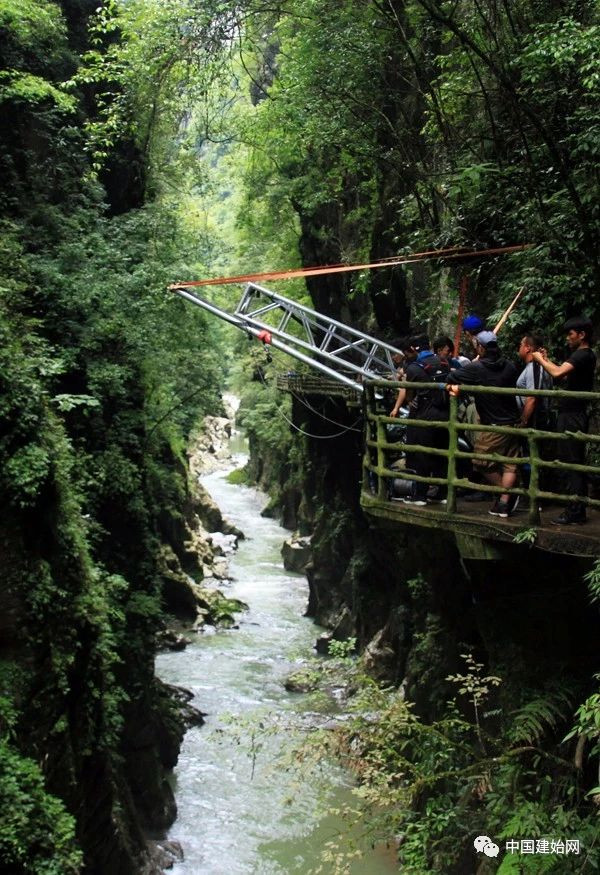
(239, 809)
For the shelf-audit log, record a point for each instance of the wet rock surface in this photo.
(190, 582)
(305, 680)
(209, 446)
(322, 643)
(163, 856)
(296, 553)
(334, 678)
(379, 656)
(191, 716)
(169, 639)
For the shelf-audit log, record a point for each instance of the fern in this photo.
(526, 536)
(538, 716)
(592, 578)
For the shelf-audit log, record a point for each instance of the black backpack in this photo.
(437, 371)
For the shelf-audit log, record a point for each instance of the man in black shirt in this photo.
(423, 366)
(492, 369)
(578, 371)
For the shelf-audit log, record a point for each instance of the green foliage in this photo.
(592, 579)
(438, 786)
(26, 471)
(526, 536)
(539, 715)
(418, 588)
(587, 726)
(163, 52)
(70, 402)
(29, 27)
(264, 415)
(473, 684)
(342, 649)
(337, 130)
(28, 89)
(239, 477)
(102, 376)
(429, 124)
(37, 835)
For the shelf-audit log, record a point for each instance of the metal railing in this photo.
(378, 448)
(315, 384)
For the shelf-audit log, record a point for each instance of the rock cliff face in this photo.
(103, 757)
(77, 647)
(193, 564)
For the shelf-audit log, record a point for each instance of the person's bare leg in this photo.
(508, 480)
(496, 478)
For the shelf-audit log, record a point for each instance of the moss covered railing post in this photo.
(534, 477)
(381, 439)
(452, 448)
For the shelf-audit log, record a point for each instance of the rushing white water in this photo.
(239, 809)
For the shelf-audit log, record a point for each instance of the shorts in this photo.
(502, 444)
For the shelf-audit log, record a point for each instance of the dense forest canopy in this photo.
(154, 140)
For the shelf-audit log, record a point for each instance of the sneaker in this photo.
(437, 495)
(570, 518)
(501, 509)
(417, 502)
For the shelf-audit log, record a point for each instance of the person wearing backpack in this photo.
(492, 369)
(443, 347)
(423, 366)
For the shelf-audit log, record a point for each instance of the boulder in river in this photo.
(163, 855)
(296, 553)
(209, 447)
(304, 680)
(322, 643)
(192, 603)
(190, 715)
(379, 658)
(209, 513)
(169, 639)
(178, 594)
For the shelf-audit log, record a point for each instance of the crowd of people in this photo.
(486, 365)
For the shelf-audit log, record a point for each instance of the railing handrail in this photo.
(486, 390)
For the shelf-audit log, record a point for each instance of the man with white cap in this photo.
(492, 369)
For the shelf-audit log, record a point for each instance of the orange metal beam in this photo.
(452, 253)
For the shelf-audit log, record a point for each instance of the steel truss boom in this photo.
(275, 342)
(323, 343)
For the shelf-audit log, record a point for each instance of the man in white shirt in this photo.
(534, 410)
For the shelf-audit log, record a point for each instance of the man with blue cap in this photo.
(492, 369)
(472, 325)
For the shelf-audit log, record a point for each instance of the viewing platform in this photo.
(314, 384)
(481, 536)
(478, 534)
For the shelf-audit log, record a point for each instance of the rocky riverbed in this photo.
(191, 595)
(262, 690)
